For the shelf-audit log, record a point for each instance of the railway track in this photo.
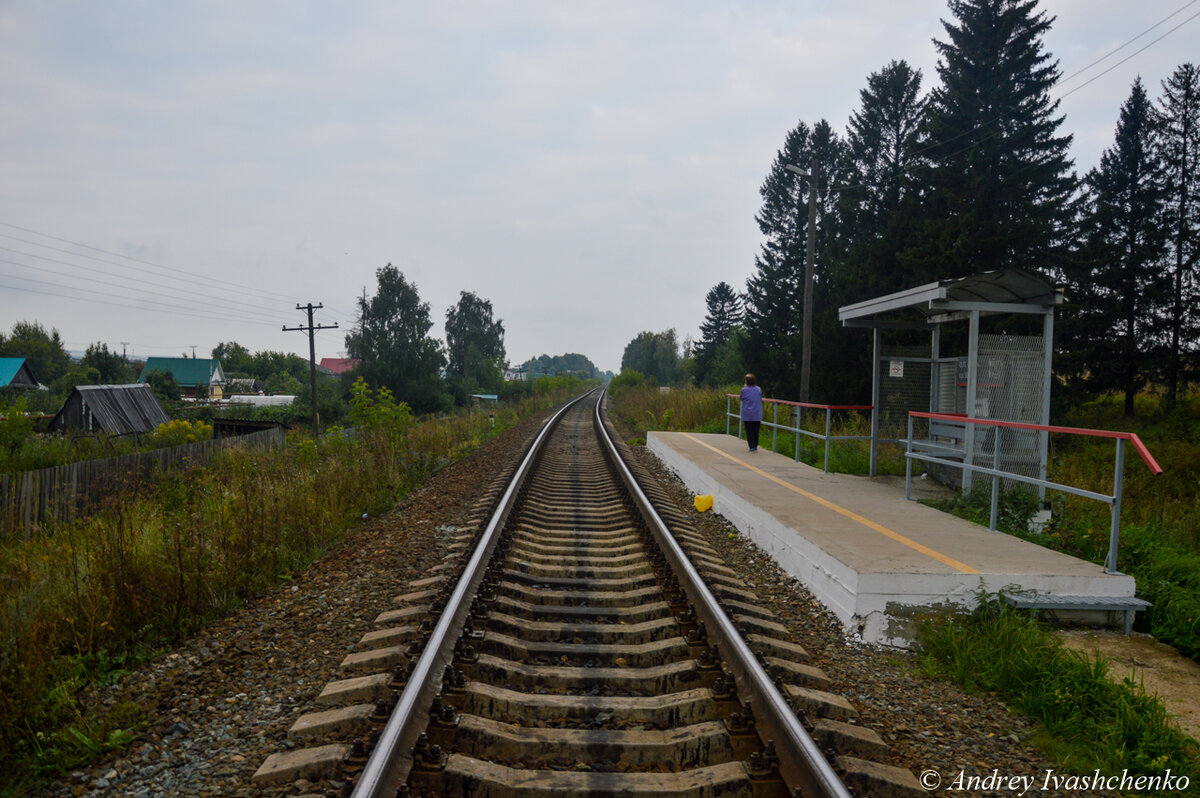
(580, 639)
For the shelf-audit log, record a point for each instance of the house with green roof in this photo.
(15, 373)
(199, 378)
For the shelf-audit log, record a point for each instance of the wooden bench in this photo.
(1129, 605)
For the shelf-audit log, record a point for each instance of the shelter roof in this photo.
(15, 371)
(118, 409)
(1001, 291)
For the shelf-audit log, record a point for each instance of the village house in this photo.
(201, 378)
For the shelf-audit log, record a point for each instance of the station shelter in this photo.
(1001, 375)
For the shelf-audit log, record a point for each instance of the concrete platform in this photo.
(876, 560)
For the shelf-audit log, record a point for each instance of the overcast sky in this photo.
(179, 174)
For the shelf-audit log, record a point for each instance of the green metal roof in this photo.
(187, 371)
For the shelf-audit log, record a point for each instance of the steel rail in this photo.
(801, 762)
(388, 766)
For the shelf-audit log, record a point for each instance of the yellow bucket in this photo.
(703, 503)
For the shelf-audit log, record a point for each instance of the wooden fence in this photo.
(32, 499)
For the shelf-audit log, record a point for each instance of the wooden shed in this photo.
(111, 409)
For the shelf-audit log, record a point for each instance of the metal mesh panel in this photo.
(1010, 375)
(903, 386)
(951, 398)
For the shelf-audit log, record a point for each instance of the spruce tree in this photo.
(1178, 123)
(998, 182)
(1122, 290)
(882, 142)
(723, 316)
(774, 304)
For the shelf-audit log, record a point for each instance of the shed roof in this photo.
(116, 409)
(1001, 291)
(187, 371)
(15, 371)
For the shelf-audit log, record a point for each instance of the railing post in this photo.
(797, 417)
(827, 419)
(995, 477)
(1114, 533)
(728, 412)
(774, 424)
(908, 462)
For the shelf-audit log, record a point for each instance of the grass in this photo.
(1090, 722)
(85, 601)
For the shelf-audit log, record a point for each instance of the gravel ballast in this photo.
(223, 701)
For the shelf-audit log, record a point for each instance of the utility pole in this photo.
(809, 256)
(311, 329)
(810, 248)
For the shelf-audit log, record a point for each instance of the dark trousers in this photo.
(752, 433)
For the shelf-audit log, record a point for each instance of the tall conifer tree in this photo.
(1178, 122)
(723, 316)
(998, 183)
(1122, 289)
(774, 293)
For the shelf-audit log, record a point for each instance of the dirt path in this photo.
(1159, 668)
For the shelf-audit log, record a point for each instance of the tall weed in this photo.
(152, 565)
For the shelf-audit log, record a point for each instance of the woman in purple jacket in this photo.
(751, 411)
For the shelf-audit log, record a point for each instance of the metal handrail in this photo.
(997, 473)
(803, 766)
(798, 430)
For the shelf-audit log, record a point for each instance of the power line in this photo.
(131, 267)
(1131, 55)
(212, 283)
(1118, 48)
(192, 298)
(137, 260)
(173, 310)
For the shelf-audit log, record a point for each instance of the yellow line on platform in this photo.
(853, 516)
